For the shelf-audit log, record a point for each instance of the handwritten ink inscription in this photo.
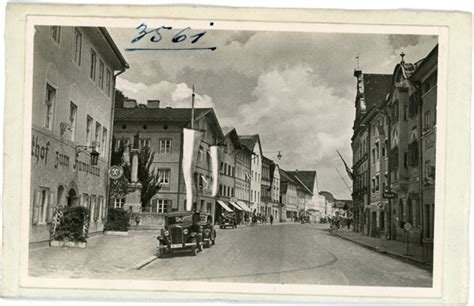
(175, 36)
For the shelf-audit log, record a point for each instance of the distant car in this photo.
(179, 233)
(228, 220)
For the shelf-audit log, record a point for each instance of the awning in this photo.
(236, 205)
(244, 206)
(221, 203)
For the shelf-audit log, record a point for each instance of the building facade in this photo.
(253, 143)
(394, 153)
(275, 191)
(425, 80)
(73, 91)
(227, 178)
(288, 197)
(162, 130)
(266, 187)
(371, 91)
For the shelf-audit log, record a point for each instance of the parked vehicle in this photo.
(208, 230)
(228, 220)
(180, 233)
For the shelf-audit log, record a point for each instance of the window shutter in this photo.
(36, 205)
(49, 212)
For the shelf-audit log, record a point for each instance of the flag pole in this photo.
(192, 110)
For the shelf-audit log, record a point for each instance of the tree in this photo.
(146, 176)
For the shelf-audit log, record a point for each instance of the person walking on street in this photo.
(271, 219)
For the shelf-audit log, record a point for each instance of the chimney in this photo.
(153, 103)
(129, 103)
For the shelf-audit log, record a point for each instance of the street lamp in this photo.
(94, 154)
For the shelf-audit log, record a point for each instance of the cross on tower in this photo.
(357, 61)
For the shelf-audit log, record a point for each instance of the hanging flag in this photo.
(348, 170)
(214, 150)
(191, 142)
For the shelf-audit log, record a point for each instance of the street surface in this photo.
(283, 253)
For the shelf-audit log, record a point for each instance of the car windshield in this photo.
(179, 220)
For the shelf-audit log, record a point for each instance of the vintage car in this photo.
(228, 219)
(179, 233)
(208, 231)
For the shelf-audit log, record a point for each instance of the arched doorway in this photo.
(71, 197)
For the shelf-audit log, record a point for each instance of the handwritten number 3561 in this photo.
(156, 35)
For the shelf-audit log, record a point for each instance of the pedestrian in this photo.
(271, 219)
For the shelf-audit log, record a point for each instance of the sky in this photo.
(296, 90)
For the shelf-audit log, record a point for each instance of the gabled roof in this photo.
(285, 177)
(250, 140)
(299, 182)
(232, 134)
(168, 114)
(308, 178)
(376, 87)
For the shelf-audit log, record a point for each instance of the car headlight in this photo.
(200, 227)
(193, 234)
(185, 231)
(167, 233)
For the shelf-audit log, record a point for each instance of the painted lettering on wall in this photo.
(61, 160)
(87, 168)
(39, 152)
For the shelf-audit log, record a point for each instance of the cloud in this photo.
(294, 89)
(169, 94)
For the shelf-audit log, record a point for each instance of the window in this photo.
(94, 208)
(377, 183)
(89, 130)
(405, 112)
(77, 47)
(164, 175)
(108, 82)
(104, 141)
(426, 120)
(201, 154)
(103, 209)
(41, 205)
(98, 132)
(377, 154)
(144, 142)
(85, 200)
(395, 112)
(93, 65)
(101, 74)
(56, 33)
(119, 202)
(49, 103)
(165, 146)
(410, 211)
(72, 120)
(161, 206)
(373, 185)
(405, 159)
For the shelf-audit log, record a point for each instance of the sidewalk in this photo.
(390, 247)
(104, 254)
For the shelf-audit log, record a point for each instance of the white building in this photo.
(253, 143)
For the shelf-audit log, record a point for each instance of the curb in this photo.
(385, 252)
(145, 262)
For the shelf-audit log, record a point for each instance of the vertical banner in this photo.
(214, 150)
(191, 142)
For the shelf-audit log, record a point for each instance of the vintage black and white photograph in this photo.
(167, 150)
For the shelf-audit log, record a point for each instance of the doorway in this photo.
(71, 197)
